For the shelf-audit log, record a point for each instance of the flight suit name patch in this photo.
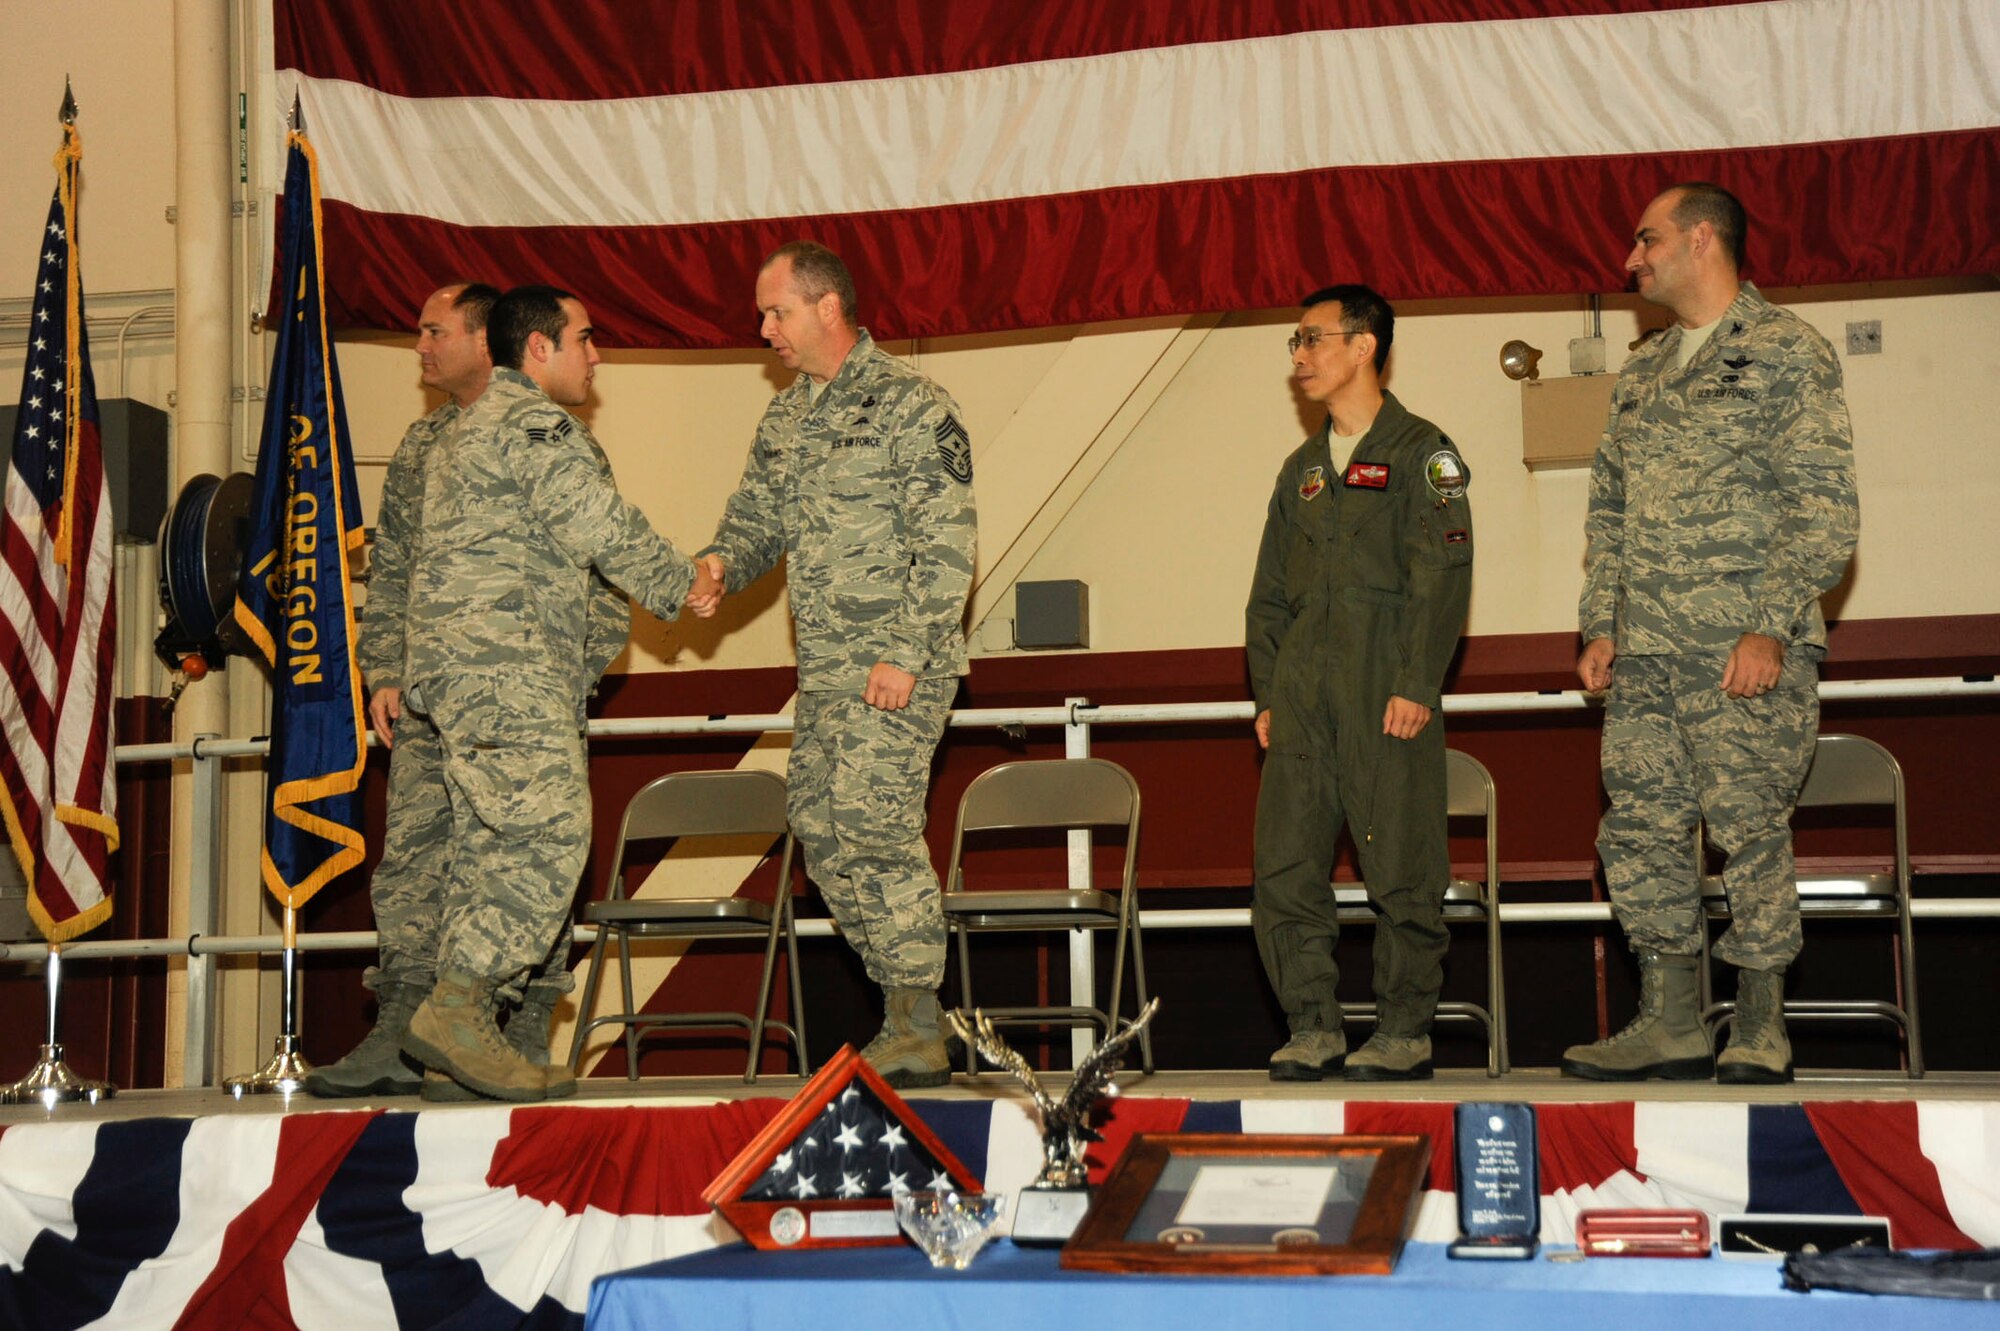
(1366, 476)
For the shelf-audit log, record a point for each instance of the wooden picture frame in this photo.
(742, 1192)
(1210, 1203)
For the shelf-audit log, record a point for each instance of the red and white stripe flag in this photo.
(991, 164)
(58, 641)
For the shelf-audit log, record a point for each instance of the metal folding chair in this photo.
(698, 804)
(1848, 771)
(1059, 793)
(1468, 794)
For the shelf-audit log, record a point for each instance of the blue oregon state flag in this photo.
(292, 598)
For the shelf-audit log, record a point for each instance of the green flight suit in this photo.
(1361, 589)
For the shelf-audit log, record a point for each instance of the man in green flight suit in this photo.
(1361, 589)
(861, 480)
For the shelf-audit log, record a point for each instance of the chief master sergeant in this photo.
(1722, 505)
(519, 506)
(861, 478)
(1361, 589)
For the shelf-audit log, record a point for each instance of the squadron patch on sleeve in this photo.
(955, 447)
(1445, 473)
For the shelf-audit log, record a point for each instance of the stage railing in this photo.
(1076, 716)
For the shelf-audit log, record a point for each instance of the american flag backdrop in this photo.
(997, 164)
(57, 627)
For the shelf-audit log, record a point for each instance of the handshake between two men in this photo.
(889, 686)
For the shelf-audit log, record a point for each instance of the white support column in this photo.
(203, 116)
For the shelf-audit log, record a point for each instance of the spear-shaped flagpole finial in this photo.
(298, 115)
(68, 113)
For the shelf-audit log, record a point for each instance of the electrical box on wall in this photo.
(1052, 614)
(1562, 419)
(133, 437)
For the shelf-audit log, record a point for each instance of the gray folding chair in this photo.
(1468, 794)
(1847, 772)
(698, 804)
(1058, 793)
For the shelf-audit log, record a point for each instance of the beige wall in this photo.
(1166, 535)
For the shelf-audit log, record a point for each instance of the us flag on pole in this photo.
(57, 629)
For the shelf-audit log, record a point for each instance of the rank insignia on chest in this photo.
(1445, 473)
(1314, 482)
(1366, 476)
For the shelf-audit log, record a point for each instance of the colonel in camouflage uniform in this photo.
(1360, 593)
(505, 634)
(1722, 505)
(861, 479)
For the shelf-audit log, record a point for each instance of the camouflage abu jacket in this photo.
(380, 650)
(867, 493)
(1722, 496)
(518, 507)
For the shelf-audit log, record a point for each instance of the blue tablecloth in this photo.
(1016, 1289)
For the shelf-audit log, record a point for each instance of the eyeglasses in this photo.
(1312, 338)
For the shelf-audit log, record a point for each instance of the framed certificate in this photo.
(1218, 1203)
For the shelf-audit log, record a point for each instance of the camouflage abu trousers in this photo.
(409, 890)
(857, 782)
(1676, 748)
(494, 892)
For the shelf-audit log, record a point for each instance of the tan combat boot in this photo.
(1665, 1040)
(376, 1066)
(454, 1033)
(910, 1051)
(527, 1032)
(1758, 1048)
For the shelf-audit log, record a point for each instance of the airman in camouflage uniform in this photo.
(861, 479)
(407, 888)
(1722, 505)
(1360, 593)
(503, 642)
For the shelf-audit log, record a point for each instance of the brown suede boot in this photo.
(910, 1052)
(454, 1033)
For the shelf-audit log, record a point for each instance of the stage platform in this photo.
(190, 1209)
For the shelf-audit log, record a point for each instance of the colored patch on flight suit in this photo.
(955, 447)
(1314, 482)
(1366, 476)
(1445, 473)
(1455, 537)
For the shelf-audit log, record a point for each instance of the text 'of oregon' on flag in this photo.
(292, 598)
(58, 648)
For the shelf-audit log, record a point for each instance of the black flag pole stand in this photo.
(50, 1082)
(286, 1072)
